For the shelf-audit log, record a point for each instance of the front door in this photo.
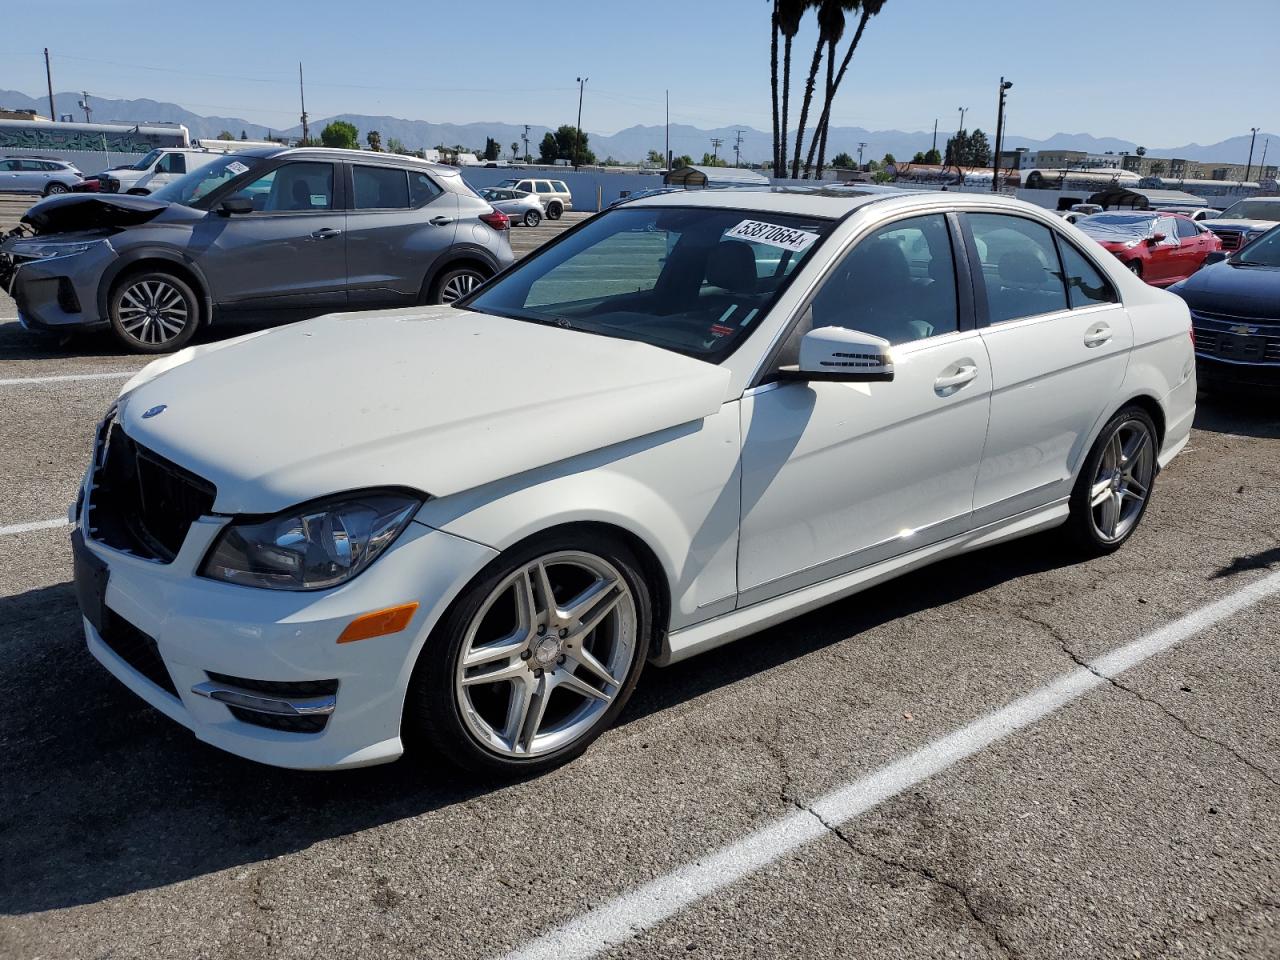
(838, 476)
(289, 253)
(1058, 353)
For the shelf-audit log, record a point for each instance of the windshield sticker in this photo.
(786, 238)
(236, 167)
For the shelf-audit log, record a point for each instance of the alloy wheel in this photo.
(458, 287)
(56, 189)
(1122, 482)
(153, 311)
(532, 218)
(546, 653)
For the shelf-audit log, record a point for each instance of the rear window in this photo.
(560, 186)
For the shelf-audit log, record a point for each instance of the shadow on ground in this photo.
(102, 795)
(1241, 414)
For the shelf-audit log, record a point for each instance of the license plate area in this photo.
(91, 576)
(1235, 346)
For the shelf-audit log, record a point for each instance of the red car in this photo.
(1161, 248)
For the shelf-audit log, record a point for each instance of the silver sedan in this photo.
(520, 206)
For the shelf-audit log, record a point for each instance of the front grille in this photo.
(1230, 239)
(136, 649)
(1223, 337)
(139, 502)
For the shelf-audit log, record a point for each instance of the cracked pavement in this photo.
(1142, 820)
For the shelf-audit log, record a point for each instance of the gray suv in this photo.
(37, 175)
(271, 233)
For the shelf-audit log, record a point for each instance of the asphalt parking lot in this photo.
(1139, 817)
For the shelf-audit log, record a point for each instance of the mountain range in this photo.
(629, 145)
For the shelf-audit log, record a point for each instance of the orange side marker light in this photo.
(379, 623)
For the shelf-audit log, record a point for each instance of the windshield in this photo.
(1251, 210)
(1263, 252)
(693, 280)
(198, 184)
(146, 162)
(1117, 226)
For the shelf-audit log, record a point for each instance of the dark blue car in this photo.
(1235, 311)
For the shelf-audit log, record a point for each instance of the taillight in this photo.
(1192, 331)
(496, 219)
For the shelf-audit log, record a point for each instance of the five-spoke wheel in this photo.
(1115, 486)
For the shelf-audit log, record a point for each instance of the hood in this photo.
(1234, 290)
(1237, 224)
(84, 211)
(437, 399)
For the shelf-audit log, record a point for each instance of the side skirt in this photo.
(710, 634)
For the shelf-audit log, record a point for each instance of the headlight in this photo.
(1253, 235)
(311, 547)
(47, 249)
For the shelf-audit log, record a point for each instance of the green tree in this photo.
(1141, 151)
(244, 135)
(842, 160)
(684, 160)
(932, 155)
(548, 149)
(979, 149)
(572, 143)
(709, 160)
(869, 9)
(655, 157)
(375, 141)
(395, 145)
(491, 149)
(919, 157)
(226, 135)
(339, 133)
(888, 159)
(787, 15)
(967, 149)
(515, 149)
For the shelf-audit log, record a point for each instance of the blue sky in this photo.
(503, 60)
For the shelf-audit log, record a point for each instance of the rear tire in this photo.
(55, 189)
(153, 311)
(1134, 267)
(453, 285)
(554, 211)
(532, 218)
(1115, 485)
(552, 699)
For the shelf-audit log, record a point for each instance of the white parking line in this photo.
(34, 525)
(646, 906)
(67, 377)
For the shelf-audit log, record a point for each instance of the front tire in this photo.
(535, 659)
(153, 311)
(1114, 488)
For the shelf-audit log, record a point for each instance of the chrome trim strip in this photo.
(263, 703)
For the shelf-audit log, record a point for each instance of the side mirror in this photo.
(835, 353)
(1215, 256)
(235, 205)
(1156, 238)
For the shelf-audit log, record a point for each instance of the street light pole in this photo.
(995, 168)
(1252, 140)
(952, 158)
(582, 82)
(861, 144)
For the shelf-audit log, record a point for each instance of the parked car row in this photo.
(1161, 248)
(275, 232)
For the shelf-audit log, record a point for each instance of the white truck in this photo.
(165, 164)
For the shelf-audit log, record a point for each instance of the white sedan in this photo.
(688, 418)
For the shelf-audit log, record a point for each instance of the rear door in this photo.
(400, 223)
(1058, 350)
(289, 253)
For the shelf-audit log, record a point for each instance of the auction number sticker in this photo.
(773, 235)
(236, 167)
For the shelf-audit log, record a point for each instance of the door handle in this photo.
(440, 221)
(963, 375)
(1097, 336)
(325, 233)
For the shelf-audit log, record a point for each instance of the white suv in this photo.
(555, 194)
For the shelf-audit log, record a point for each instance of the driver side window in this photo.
(898, 283)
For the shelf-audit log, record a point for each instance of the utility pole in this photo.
(1252, 140)
(302, 96)
(667, 154)
(48, 75)
(582, 82)
(737, 149)
(995, 167)
(84, 105)
(715, 149)
(861, 144)
(525, 138)
(934, 149)
(1262, 166)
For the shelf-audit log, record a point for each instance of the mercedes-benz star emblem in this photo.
(155, 411)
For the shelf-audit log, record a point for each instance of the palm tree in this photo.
(869, 9)
(789, 14)
(773, 75)
(827, 16)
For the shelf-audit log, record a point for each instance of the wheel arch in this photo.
(459, 256)
(134, 262)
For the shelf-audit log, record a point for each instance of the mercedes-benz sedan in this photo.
(470, 527)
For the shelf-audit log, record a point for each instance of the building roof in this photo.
(705, 176)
